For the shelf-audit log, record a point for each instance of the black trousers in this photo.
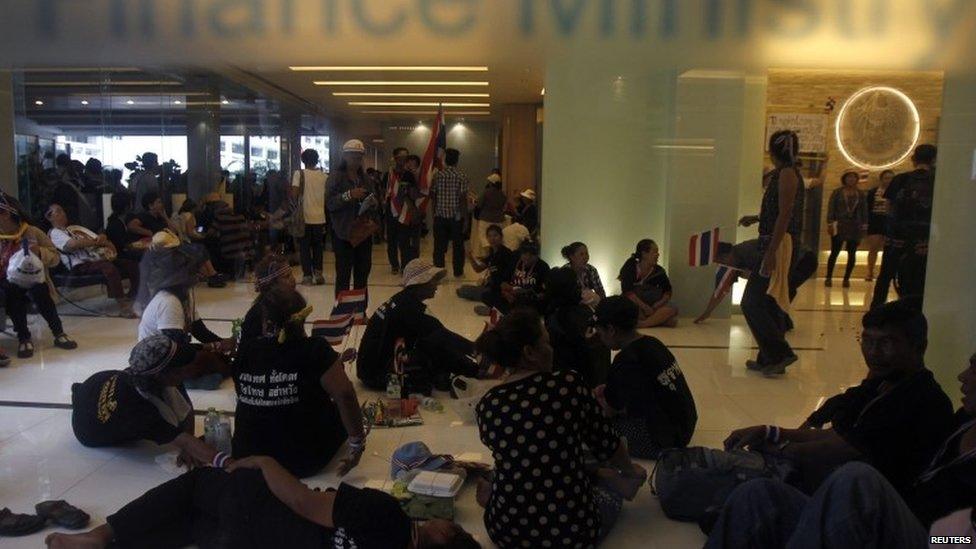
(352, 262)
(889, 269)
(392, 250)
(766, 321)
(178, 513)
(312, 245)
(408, 243)
(836, 243)
(449, 230)
(15, 301)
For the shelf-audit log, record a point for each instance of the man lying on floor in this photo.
(894, 420)
(856, 506)
(257, 504)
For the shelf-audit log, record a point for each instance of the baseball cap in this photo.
(415, 455)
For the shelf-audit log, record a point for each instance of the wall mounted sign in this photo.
(877, 127)
(810, 128)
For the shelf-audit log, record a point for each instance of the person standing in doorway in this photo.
(449, 191)
(308, 189)
(847, 218)
(877, 220)
(346, 189)
(394, 205)
(909, 217)
(780, 225)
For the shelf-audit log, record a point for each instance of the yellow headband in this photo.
(296, 318)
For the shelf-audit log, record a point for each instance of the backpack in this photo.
(25, 268)
(690, 481)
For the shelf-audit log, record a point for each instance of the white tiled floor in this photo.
(40, 458)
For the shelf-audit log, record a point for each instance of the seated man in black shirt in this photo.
(523, 283)
(433, 351)
(152, 219)
(146, 401)
(646, 392)
(894, 420)
(258, 504)
(856, 506)
(494, 265)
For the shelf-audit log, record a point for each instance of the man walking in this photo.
(394, 203)
(909, 197)
(449, 191)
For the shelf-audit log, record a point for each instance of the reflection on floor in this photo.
(40, 458)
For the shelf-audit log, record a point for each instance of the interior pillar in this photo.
(950, 299)
(203, 139)
(8, 154)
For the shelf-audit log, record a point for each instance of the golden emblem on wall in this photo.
(877, 127)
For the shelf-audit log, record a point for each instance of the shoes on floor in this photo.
(62, 341)
(25, 349)
(318, 279)
(4, 358)
(16, 525)
(395, 271)
(779, 368)
(828, 283)
(753, 365)
(869, 279)
(847, 283)
(63, 514)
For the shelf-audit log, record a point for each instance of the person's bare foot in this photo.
(98, 538)
(88, 540)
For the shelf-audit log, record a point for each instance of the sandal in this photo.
(4, 358)
(62, 341)
(14, 525)
(25, 349)
(63, 514)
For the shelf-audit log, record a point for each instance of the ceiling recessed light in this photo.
(543, 91)
(408, 94)
(451, 113)
(130, 102)
(225, 102)
(414, 104)
(401, 68)
(398, 83)
(177, 102)
(38, 102)
(84, 101)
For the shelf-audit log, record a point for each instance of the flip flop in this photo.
(63, 514)
(14, 525)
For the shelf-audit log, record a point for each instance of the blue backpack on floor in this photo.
(690, 481)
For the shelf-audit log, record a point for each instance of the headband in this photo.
(296, 318)
(273, 274)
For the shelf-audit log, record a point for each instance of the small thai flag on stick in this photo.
(702, 248)
(350, 309)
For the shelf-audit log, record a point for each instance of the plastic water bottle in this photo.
(210, 423)
(393, 388)
(223, 434)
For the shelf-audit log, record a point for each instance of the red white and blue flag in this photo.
(432, 162)
(702, 248)
(350, 309)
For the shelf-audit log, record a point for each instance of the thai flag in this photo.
(433, 160)
(724, 278)
(350, 309)
(702, 248)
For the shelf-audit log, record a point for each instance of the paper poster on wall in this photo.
(811, 129)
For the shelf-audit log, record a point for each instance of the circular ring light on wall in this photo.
(877, 127)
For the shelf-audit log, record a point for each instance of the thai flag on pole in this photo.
(433, 160)
(350, 309)
(724, 278)
(702, 248)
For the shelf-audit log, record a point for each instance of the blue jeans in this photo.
(854, 508)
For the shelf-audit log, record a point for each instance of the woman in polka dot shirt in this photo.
(536, 424)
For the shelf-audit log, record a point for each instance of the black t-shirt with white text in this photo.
(282, 409)
(646, 381)
(108, 410)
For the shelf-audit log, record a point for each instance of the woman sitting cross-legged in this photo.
(646, 393)
(294, 401)
(578, 257)
(256, 504)
(646, 283)
(146, 401)
(539, 425)
(575, 345)
(15, 231)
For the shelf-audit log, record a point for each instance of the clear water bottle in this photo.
(393, 387)
(210, 426)
(223, 434)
